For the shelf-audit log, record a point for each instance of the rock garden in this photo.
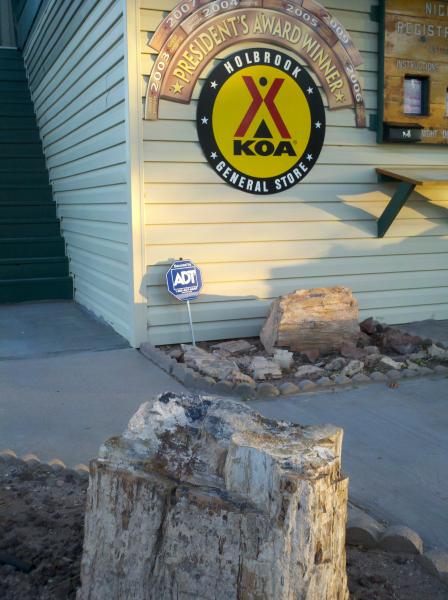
(311, 340)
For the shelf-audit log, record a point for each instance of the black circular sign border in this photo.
(205, 107)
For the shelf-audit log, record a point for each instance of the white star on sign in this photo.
(318, 125)
(214, 85)
(310, 90)
(204, 121)
(309, 157)
(214, 155)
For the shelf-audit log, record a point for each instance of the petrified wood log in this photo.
(321, 319)
(203, 498)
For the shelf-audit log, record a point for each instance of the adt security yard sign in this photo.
(184, 282)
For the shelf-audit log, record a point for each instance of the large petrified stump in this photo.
(320, 320)
(202, 498)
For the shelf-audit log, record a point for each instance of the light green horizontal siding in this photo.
(321, 232)
(75, 65)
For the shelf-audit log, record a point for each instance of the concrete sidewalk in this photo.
(395, 448)
(67, 381)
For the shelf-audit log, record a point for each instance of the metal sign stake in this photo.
(191, 324)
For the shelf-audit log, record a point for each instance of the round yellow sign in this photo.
(269, 116)
(261, 121)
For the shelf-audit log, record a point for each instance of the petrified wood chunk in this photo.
(321, 319)
(204, 498)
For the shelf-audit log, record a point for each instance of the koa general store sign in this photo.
(261, 120)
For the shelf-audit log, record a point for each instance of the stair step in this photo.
(28, 210)
(22, 164)
(26, 290)
(11, 64)
(23, 179)
(15, 96)
(20, 150)
(10, 53)
(22, 136)
(8, 109)
(18, 123)
(26, 268)
(19, 194)
(32, 247)
(6, 75)
(19, 228)
(14, 86)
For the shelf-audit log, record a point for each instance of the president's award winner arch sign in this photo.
(278, 112)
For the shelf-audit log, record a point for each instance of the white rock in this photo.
(386, 361)
(309, 372)
(284, 359)
(214, 366)
(437, 352)
(353, 367)
(412, 366)
(220, 503)
(262, 368)
(234, 347)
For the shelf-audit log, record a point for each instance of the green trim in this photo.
(396, 203)
(381, 44)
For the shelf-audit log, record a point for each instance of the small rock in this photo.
(362, 530)
(440, 369)
(369, 326)
(353, 367)
(177, 354)
(394, 375)
(324, 382)
(350, 350)
(245, 390)
(234, 347)
(425, 371)
(337, 364)
(399, 538)
(266, 390)
(436, 562)
(341, 380)
(223, 387)
(378, 376)
(307, 386)
(372, 360)
(408, 373)
(412, 366)
(361, 378)
(289, 389)
(390, 363)
(311, 355)
(437, 352)
(284, 359)
(262, 368)
(370, 350)
(309, 372)
(418, 355)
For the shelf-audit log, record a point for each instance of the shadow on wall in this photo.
(400, 278)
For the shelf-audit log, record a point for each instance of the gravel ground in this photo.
(41, 530)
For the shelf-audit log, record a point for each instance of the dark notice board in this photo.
(413, 72)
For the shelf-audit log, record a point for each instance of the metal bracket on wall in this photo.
(396, 203)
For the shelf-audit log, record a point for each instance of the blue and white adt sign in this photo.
(184, 280)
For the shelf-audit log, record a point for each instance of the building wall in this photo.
(320, 233)
(75, 57)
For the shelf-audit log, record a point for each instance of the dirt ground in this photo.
(41, 530)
